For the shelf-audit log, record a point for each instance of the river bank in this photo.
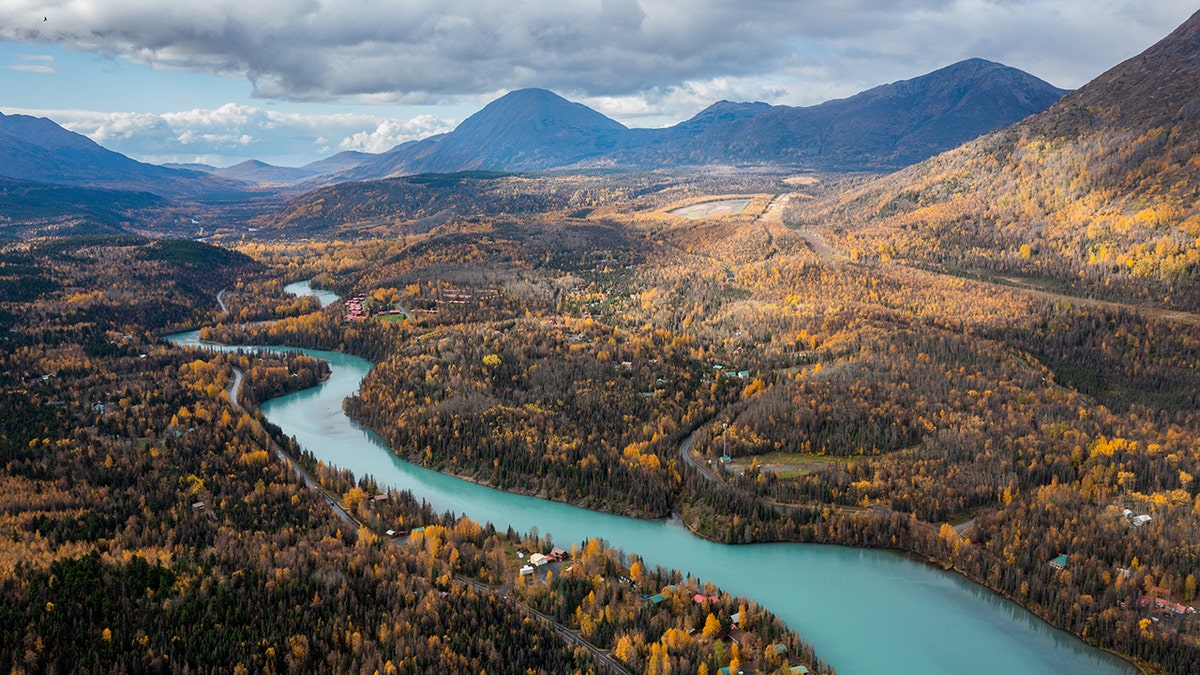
(866, 610)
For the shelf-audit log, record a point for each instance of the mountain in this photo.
(36, 149)
(524, 130)
(191, 166)
(533, 129)
(884, 128)
(339, 162)
(263, 174)
(1098, 194)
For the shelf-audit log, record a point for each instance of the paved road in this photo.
(567, 634)
(685, 452)
(235, 388)
(234, 391)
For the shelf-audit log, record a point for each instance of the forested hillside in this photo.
(150, 523)
(1097, 195)
(862, 405)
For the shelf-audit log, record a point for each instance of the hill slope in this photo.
(29, 209)
(37, 149)
(419, 202)
(1097, 194)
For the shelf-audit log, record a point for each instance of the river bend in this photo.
(865, 611)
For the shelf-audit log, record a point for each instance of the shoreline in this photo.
(688, 526)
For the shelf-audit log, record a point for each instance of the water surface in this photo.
(865, 611)
(303, 288)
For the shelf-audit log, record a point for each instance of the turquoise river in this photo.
(865, 611)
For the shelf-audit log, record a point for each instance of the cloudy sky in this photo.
(290, 81)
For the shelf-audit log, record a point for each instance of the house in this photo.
(1059, 562)
(198, 506)
(538, 559)
(779, 648)
(798, 670)
(737, 635)
(526, 570)
(557, 554)
(657, 598)
(1173, 607)
(700, 598)
(1141, 520)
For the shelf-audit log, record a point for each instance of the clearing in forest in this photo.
(721, 207)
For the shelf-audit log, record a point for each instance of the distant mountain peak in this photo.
(45, 133)
(733, 108)
(538, 108)
(38, 149)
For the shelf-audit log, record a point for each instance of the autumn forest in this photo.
(987, 362)
(754, 380)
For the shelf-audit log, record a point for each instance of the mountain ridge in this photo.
(1097, 194)
(39, 150)
(534, 129)
(883, 128)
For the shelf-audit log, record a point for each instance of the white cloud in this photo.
(412, 51)
(658, 108)
(34, 63)
(233, 133)
(390, 133)
(643, 62)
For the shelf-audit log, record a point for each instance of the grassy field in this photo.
(787, 464)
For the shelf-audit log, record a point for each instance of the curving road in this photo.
(685, 452)
(234, 390)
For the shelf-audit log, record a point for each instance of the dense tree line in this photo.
(147, 525)
(657, 622)
(908, 399)
(896, 400)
